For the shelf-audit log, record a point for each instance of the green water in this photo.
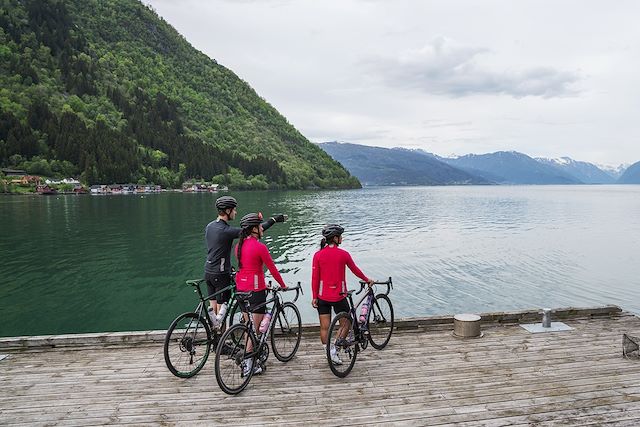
(114, 263)
(104, 263)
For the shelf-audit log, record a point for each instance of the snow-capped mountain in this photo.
(585, 172)
(615, 171)
(631, 175)
(511, 167)
(381, 166)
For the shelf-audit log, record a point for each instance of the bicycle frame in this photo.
(201, 308)
(354, 317)
(357, 330)
(277, 308)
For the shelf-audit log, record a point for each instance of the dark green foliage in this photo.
(112, 90)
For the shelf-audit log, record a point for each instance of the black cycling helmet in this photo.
(332, 230)
(251, 220)
(226, 202)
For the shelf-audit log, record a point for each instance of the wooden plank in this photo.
(423, 376)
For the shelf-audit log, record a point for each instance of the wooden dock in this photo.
(424, 377)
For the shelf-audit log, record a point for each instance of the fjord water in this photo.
(116, 263)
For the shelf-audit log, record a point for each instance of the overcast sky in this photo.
(547, 78)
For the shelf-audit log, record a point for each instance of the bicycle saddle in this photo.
(195, 282)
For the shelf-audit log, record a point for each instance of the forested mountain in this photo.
(586, 172)
(510, 167)
(107, 90)
(631, 175)
(383, 166)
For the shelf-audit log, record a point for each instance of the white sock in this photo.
(332, 349)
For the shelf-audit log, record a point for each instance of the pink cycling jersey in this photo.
(255, 256)
(328, 274)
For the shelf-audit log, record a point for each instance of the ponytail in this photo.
(324, 242)
(246, 232)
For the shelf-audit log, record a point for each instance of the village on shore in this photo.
(15, 181)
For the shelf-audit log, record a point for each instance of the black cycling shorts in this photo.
(217, 282)
(324, 307)
(257, 298)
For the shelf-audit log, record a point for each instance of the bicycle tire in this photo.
(380, 322)
(230, 366)
(347, 352)
(181, 345)
(286, 332)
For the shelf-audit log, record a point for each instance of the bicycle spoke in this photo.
(286, 332)
(186, 348)
(231, 356)
(380, 321)
(342, 348)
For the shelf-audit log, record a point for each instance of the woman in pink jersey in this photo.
(328, 281)
(252, 256)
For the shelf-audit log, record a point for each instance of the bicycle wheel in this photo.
(187, 345)
(346, 347)
(231, 359)
(286, 332)
(380, 321)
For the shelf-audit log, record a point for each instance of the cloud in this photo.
(444, 67)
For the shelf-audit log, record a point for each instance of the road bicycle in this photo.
(349, 336)
(189, 339)
(284, 331)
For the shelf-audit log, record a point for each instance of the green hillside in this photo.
(108, 91)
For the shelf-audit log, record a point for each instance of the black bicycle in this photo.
(350, 336)
(235, 362)
(188, 342)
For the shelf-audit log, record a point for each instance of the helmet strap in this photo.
(225, 214)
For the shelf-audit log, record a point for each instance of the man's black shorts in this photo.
(324, 307)
(255, 300)
(217, 282)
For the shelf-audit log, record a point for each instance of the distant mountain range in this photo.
(510, 167)
(400, 166)
(587, 173)
(383, 166)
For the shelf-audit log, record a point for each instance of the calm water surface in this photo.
(114, 263)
